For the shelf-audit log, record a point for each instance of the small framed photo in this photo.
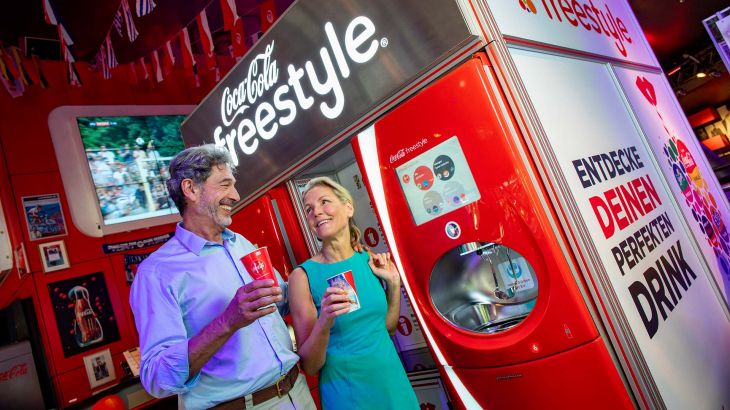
(99, 368)
(53, 256)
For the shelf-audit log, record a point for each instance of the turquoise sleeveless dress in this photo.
(362, 369)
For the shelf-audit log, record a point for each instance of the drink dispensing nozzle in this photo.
(478, 247)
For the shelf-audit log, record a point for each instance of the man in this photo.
(207, 332)
(100, 370)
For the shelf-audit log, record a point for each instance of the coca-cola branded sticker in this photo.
(84, 315)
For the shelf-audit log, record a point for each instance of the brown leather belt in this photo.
(278, 389)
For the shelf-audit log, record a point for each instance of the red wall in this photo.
(28, 166)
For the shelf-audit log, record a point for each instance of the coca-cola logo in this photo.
(16, 371)
(398, 155)
(86, 312)
(255, 109)
(587, 16)
(408, 150)
(528, 5)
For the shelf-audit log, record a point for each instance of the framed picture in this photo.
(84, 313)
(44, 216)
(99, 368)
(130, 265)
(53, 256)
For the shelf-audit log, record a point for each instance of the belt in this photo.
(280, 388)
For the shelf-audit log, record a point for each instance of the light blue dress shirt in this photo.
(177, 291)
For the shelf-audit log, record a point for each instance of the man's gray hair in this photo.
(195, 163)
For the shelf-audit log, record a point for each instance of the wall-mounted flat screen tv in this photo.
(114, 162)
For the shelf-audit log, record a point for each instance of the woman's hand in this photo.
(358, 247)
(384, 268)
(334, 303)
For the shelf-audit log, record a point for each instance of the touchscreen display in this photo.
(437, 182)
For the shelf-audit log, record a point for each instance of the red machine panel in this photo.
(572, 380)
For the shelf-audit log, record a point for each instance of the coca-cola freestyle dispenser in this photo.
(480, 258)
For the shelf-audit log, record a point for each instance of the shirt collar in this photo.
(196, 243)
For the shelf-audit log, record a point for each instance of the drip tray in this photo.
(489, 317)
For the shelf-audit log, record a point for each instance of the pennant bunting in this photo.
(132, 73)
(64, 34)
(65, 51)
(187, 56)
(73, 77)
(22, 71)
(238, 39)
(111, 58)
(168, 58)
(185, 50)
(11, 87)
(168, 47)
(39, 70)
(146, 73)
(228, 8)
(145, 7)
(100, 63)
(206, 40)
(234, 24)
(156, 68)
(106, 59)
(268, 14)
(117, 23)
(48, 13)
(4, 72)
(31, 70)
(9, 77)
(11, 71)
(128, 21)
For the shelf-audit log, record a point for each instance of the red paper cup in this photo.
(350, 279)
(338, 281)
(258, 265)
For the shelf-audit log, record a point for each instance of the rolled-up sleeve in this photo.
(163, 339)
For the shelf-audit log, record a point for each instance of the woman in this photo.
(352, 351)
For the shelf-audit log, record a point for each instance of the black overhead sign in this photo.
(322, 66)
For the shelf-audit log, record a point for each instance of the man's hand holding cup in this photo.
(252, 301)
(258, 298)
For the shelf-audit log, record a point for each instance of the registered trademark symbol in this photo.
(384, 42)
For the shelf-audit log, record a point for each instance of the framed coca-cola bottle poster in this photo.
(84, 313)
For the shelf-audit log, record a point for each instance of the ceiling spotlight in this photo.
(701, 74)
(715, 74)
(680, 92)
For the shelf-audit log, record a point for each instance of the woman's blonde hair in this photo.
(343, 195)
